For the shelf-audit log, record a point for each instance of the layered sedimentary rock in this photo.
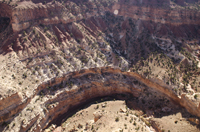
(58, 43)
(62, 93)
(23, 18)
(53, 13)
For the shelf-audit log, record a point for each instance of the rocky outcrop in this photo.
(5, 10)
(22, 18)
(159, 15)
(84, 33)
(129, 19)
(189, 105)
(77, 87)
(97, 115)
(53, 13)
(11, 106)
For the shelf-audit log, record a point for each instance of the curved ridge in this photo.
(62, 93)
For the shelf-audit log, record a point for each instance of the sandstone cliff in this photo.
(61, 93)
(23, 16)
(56, 55)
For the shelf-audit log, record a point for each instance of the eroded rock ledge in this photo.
(57, 95)
(27, 13)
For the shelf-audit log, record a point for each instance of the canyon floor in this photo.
(115, 116)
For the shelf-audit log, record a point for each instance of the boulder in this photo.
(97, 115)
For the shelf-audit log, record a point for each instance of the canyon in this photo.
(57, 55)
(59, 94)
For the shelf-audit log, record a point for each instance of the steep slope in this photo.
(56, 96)
(44, 43)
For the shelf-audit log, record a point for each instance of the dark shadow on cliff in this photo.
(4, 22)
(131, 102)
(5, 125)
(63, 117)
(157, 111)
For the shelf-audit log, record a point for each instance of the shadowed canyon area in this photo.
(99, 65)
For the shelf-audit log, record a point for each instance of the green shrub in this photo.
(117, 119)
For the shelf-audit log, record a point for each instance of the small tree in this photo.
(117, 119)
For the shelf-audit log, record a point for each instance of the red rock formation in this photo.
(180, 22)
(5, 10)
(23, 17)
(112, 84)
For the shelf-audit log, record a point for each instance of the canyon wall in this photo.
(154, 3)
(77, 87)
(124, 25)
(24, 16)
(159, 15)
(5, 10)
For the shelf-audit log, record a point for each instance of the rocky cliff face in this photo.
(122, 19)
(56, 96)
(23, 18)
(53, 13)
(6, 10)
(55, 55)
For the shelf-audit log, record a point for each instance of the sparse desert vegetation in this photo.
(60, 56)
